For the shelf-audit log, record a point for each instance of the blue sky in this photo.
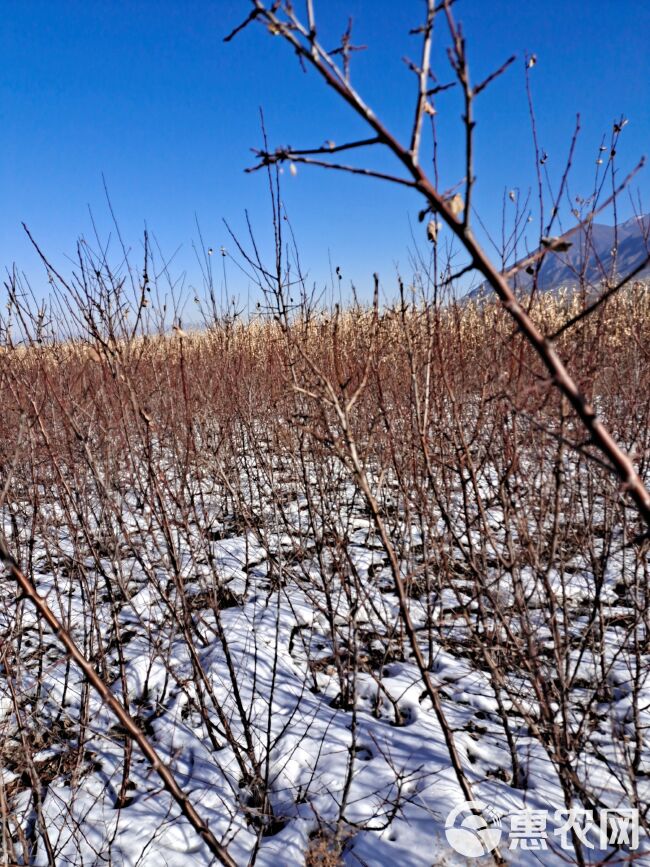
(148, 95)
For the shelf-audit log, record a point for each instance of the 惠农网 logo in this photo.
(473, 829)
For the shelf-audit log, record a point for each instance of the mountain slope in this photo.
(589, 259)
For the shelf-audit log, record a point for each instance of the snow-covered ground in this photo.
(265, 659)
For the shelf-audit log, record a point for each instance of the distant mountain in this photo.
(589, 258)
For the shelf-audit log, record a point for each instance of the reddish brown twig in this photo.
(28, 591)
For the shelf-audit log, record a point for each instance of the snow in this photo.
(377, 763)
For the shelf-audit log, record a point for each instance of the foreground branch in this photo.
(282, 20)
(126, 720)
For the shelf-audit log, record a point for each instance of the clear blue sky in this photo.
(148, 94)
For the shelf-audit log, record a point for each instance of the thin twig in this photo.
(423, 80)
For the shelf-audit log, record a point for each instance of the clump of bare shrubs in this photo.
(422, 433)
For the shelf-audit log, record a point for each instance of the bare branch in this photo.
(45, 612)
(423, 80)
(487, 81)
(327, 148)
(458, 58)
(251, 17)
(270, 159)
